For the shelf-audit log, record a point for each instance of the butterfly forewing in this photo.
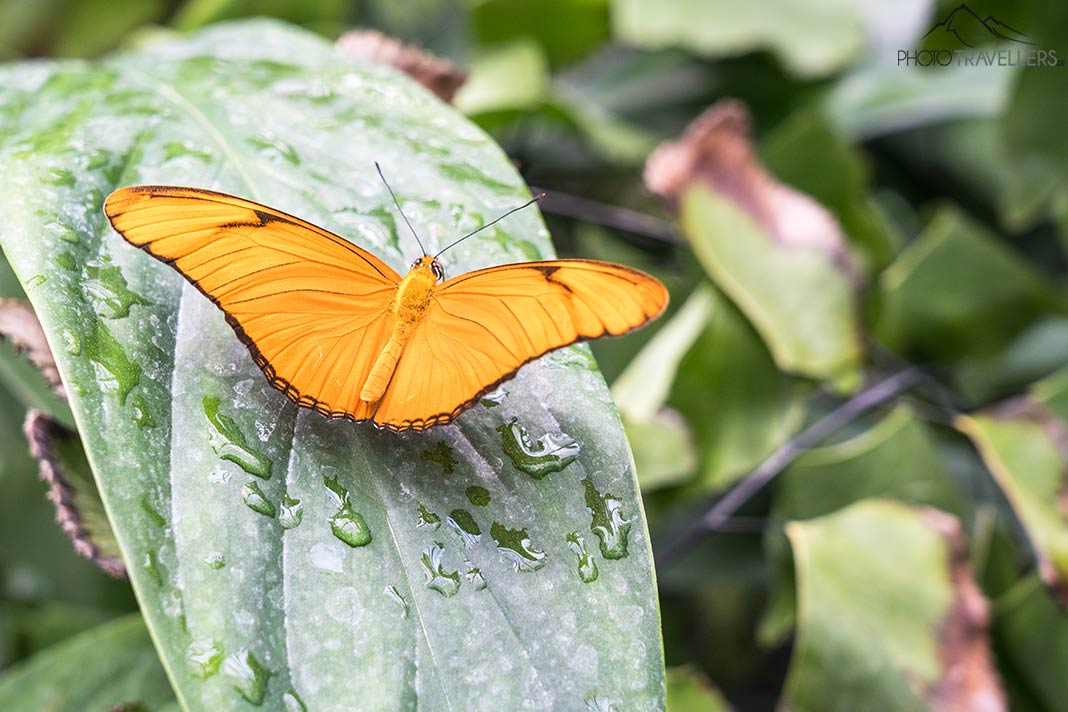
(312, 307)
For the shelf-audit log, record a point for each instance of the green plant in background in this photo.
(868, 332)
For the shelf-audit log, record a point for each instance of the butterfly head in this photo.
(430, 263)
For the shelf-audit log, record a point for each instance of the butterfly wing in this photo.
(311, 307)
(481, 327)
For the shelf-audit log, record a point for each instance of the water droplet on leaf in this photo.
(427, 518)
(447, 583)
(108, 292)
(607, 521)
(153, 514)
(248, 676)
(141, 415)
(256, 500)
(290, 513)
(537, 458)
(441, 454)
(478, 496)
(395, 596)
(205, 657)
(474, 576)
(465, 526)
(587, 567)
(347, 524)
(516, 547)
(66, 261)
(229, 442)
(115, 372)
(292, 702)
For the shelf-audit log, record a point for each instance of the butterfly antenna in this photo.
(530, 202)
(397, 203)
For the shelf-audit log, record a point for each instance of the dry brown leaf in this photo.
(436, 74)
(969, 680)
(19, 325)
(44, 433)
(716, 150)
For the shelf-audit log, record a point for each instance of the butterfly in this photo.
(337, 330)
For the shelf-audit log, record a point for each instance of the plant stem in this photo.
(823, 428)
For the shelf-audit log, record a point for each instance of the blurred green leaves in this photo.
(810, 40)
(111, 665)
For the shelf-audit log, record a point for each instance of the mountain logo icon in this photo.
(963, 24)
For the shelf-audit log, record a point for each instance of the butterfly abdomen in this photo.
(409, 307)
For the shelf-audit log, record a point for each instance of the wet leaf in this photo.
(106, 666)
(888, 610)
(255, 603)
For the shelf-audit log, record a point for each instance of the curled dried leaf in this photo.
(436, 74)
(969, 680)
(58, 451)
(716, 150)
(20, 326)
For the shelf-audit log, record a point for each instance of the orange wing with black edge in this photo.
(311, 307)
(481, 327)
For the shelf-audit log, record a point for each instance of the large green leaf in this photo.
(110, 665)
(887, 611)
(281, 558)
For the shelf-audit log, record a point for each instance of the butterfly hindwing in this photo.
(311, 306)
(482, 326)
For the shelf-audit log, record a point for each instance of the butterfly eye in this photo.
(439, 271)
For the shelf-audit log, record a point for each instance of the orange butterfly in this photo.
(337, 330)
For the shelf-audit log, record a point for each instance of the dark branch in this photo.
(823, 428)
(610, 216)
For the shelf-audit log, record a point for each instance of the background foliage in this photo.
(846, 578)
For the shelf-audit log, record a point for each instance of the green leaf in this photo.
(739, 405)
(799, 298)
(810, 40)
(689, 691)
(339, 596)
(884, 98)
(882, 591)
(106, 666)
(956, 291)
(585, 27)
(895, 458)
(1032, 636)
(507, 77)
(1024, 443)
